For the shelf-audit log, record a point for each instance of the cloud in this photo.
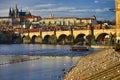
(4, 12)
(63, 8)
(40, 7)
(96, 1)
(59, 11)
(43, 5)
(55, 9)
(90, 10)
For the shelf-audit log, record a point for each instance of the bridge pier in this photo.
(26, 39)
(38, 39)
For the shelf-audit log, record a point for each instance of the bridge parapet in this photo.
(75, 33)
(101, 31)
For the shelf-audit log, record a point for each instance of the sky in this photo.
(62, 8)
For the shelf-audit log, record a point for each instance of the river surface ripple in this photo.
(53, 62)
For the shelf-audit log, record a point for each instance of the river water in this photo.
(53, 61)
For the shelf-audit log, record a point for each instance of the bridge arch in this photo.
(33, 38)
(70, 37)
(62, 37)
(101, 36)
(46, 39)
(23, 38)
(79, 38)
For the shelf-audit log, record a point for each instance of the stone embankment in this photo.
(102, 65)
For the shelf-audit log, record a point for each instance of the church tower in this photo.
(16, 11)
(10, 12)
(51, 15)
(117, 2)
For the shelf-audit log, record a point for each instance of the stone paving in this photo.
(102, 65)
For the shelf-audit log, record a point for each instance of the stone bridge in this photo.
(98, 33)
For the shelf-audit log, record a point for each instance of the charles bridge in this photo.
(62, 35)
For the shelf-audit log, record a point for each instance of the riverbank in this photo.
(101, 65)
(101, 47)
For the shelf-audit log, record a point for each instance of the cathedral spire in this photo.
(16, 12)
(16, 8)
(51, 15)
(10, 12)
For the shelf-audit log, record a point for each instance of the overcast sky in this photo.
(62, 8)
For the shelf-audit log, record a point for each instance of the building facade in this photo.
(67, 20)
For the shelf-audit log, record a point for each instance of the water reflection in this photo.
(44, 68)
(37, 62)
(42, 50)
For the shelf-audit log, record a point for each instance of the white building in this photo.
(66, 20)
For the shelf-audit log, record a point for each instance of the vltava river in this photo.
(53, 61)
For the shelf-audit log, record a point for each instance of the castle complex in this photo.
(15, 12)
(67, 20)
(18, 17)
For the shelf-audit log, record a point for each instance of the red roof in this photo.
(29, 17)
(67, 18)
(84, 18)
(59, 18)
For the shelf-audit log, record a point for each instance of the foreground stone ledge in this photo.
(101, 65)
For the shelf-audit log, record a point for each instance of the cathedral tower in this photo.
(10, 12)
(51, 15)
(16, 11)
(13, 12)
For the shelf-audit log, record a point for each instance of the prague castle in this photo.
(15, 12)
(18, 17)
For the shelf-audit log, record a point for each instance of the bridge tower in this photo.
(117, 3)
